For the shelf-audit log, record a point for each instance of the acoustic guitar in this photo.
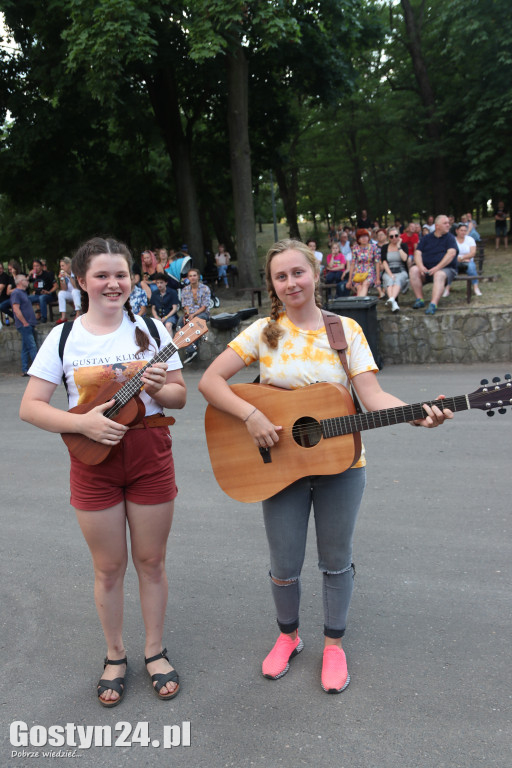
(310, 417)
(128, 408)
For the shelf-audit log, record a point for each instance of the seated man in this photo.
(138, 297)
(312, 246)
(195, 300)
(435, 262)
(45, 288)
(165, 303)
(344, 244)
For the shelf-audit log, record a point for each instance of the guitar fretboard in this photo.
(358, 422)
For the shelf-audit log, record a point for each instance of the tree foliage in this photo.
(161, 121)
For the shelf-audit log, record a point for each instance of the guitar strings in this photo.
(359, 422)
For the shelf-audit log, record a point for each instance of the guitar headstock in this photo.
(491, 395)
(190, 333)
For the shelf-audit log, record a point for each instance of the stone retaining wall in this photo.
(466, 335)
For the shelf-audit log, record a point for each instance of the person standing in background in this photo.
(25, 322)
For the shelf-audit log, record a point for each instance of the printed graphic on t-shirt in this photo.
(90, 380)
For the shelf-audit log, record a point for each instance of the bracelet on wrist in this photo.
(249, 416)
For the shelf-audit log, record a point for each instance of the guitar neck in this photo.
(359, 422)
(133, 386)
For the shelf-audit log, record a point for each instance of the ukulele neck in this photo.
(134, 385)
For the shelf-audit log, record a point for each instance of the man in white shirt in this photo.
(344, 244)
(318, 254)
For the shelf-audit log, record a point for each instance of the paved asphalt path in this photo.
(429, 638)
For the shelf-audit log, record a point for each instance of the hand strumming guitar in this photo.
(261, 429)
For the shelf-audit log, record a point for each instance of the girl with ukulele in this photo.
(293, 351)
(135, 485)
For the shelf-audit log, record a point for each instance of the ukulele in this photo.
(128, 408)
(310, 416)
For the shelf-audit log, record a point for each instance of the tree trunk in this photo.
(219, 218)
(433, 128)
(357, 176)
(288, 192)
(164, 99)
(241, 175)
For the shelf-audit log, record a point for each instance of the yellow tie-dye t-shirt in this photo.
(304, 357)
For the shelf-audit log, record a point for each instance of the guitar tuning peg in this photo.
(496, 380)
(502, 410)
(508, 377)
(490, 413)
(484, 382)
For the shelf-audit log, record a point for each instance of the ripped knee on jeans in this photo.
(351, 567)
(284, 582)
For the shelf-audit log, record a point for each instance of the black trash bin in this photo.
(364, 311)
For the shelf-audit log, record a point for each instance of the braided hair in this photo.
(80, 264)
(272, 332)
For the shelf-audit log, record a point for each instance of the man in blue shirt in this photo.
(165, 304)
(435, 261)
(25, 321)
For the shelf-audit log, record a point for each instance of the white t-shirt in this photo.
(466, 246)
(346, 250)
(92, 361)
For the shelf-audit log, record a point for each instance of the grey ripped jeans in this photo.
(336, 500)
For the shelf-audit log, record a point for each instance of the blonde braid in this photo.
(272, 332)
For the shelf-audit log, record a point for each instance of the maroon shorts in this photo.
(139, 469)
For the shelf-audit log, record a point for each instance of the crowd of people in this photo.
(392, 259)
(163, 283)
(362, 257)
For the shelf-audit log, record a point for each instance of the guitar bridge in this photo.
(265, 455)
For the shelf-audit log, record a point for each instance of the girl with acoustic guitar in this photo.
(293, 350)
(135, 485)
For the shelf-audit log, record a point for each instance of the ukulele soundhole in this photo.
(307, 432)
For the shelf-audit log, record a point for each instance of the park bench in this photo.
(479, 260)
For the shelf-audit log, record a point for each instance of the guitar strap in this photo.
(337, 340)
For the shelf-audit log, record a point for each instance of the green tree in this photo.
(68, 165)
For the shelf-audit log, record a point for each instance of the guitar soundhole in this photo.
(307, 432)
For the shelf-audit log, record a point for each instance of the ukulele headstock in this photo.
(190, 332)
(493, 395)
